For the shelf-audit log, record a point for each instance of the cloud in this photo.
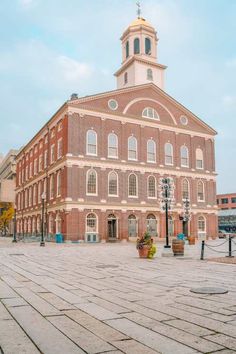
(229, 101)
(26, 3)
(72, 70)
(231, 63)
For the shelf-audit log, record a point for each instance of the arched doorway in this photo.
(170, 226)
(152, 225)
(112, 227)
(132, 226)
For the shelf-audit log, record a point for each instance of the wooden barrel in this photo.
(178, 247)
(191, 240)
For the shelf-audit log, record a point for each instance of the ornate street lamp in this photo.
(166, 200)
(14, 225)
(42, 243)
(186, 215)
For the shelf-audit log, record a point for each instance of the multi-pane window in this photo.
(151, 151)
(199, 159)
(201, 224)
(30, 196)
(149, 112)
(126, 78)
(35, 166)
(51, 224)
(39, 192)
(225, 201)
(91, 182)
(26, 198)
(27, 172)
(45, 186)
(184, 156)
(151, 187)
(132, 148)
(45, 158)
(52, 186)
(112, 145)
(136, 46)
(185, 189)
(113, 183)
(59, 128)
(149, 75)
(200, 191)
(34, 194)
(91, 223)
(233, 200)
(168, 154)
(40, 162)
(91, 143)
(127, 49)
(30, 170)
(133, 185)
(59, 148)
(58, 183)
(52, 153)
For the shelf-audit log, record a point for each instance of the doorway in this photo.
(112, 227)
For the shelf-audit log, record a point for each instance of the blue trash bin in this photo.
(59, 238)
(180, 236)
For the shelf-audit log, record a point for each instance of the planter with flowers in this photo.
(145, 246)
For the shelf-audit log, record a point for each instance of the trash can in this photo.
(180, 237)
(59, 238)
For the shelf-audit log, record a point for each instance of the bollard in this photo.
(230, 247)
(202, 251)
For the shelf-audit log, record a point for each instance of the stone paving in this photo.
(101, 298)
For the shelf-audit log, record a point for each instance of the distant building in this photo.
(100, 158)
(8, 177)
(227, 212)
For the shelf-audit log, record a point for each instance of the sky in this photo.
(52, 48)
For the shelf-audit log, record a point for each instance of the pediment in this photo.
(133, 100)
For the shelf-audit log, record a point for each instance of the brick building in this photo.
(227, 212)
(99, 158)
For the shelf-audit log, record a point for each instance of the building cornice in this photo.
(140, 60)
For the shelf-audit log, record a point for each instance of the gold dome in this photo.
(140, 21)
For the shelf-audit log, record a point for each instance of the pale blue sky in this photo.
(51, 48)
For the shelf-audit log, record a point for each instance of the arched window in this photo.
(92, 182)
(45, 186)
(149, 74)
(184, 156)
(132, 226)
(151, 187)
(113, 183)
(149, 112)
(133, 185)
(39, 192)
(127, 49)
(126, 78)
(26, 198)
(112, 145)
(151, 151)
(58, 224)
(52, 186)
(91, 143)
(51, 224)
(34, 225)
(147, 46)
(91, 223)
(30, 196)
(200, 191)
(58, 183)
(38, 231)
(136, 46)
(29, 226)
(199, 158)
(34, 194)
(132, 148)
(201, 223)
(168, 154)
(152, 225)
(185, 189)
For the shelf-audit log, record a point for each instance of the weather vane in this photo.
(139, 9)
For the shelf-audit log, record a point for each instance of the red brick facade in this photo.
(123, 216)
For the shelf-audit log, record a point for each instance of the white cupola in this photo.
(139, 56)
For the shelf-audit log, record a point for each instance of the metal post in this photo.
(42, 243)
(167, 226)
(230, 247)
(14, 227)
(202, 250)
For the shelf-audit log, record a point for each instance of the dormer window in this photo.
(136, 46)
(149, 75)
(149, 112)
(147, 46)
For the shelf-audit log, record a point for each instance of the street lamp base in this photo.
(167, 246)
(14, 241)
(42, 243)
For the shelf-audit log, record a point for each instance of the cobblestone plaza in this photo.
(73, 298)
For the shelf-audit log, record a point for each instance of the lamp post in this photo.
(186, 215)
(14, 225)
(42, 243)
(166, 201)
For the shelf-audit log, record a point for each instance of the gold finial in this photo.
(139, 9)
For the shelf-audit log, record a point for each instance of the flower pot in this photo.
(143, 252)
(191, 240)
(178, 247)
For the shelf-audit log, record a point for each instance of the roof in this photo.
(139, 22)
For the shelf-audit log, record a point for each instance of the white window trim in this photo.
(148, 187)
(108, 146)
(92, 194)
(201, 200)
(129, 158)
(184, 146)
(113, 195)
(172, 155)
(58, 173)
(58, 143)
(146, 116)
(155, 153)
(52, 150)
(89, 153)
(201, 216)
(97, 228)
